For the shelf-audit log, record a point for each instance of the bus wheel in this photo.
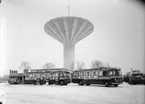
(61, 83)
(88, 84)
(48, 83)
(106, 84)
(81, 83)
(41, 83)
(130, 82)
(37, 83)
(115, 85)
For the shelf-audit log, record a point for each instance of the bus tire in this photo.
(81, 83)
(130, 82)
(37, 83)
(61, 82)
(48, 83)
(41, 83)
(88, 84)
(106, 84)
(115, 85)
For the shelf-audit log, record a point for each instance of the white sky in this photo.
(118, 37)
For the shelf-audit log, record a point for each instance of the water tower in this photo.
(68, 30)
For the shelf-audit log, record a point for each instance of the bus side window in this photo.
(94, 73)
(45, 74)
(38, 75)
(77, 74)
(82, 73)
(30, 75)
(60, 74)
(74, 74)
(90, 73)
(87, 73)
(34, 75)
(100, 73)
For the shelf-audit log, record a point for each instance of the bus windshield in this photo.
(115, 73)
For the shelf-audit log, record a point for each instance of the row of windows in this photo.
(88, 73)
(39, 75)
(47, 75)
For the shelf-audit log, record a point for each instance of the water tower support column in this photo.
(69, 56)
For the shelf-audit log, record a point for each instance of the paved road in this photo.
(72, 94)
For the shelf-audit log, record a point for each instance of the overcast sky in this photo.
(118, 37)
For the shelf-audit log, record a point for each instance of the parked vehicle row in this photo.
(40, 78)
(105, 75)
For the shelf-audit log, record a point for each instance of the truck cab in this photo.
(16, 78)
(60, 78)
(136, 79)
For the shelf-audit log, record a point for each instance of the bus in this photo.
(42, 76)
(105, 75)
(37, 78)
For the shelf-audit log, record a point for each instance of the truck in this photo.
(60, 78)
(17, 78)
(107, 76)
(136, 78)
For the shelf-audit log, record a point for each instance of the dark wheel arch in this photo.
(107, 84)
(81, 82)
(116, 85)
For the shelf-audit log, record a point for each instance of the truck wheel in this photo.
(106, 84)
(61, 82)
(115, 85)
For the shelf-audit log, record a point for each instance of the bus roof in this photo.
(99, 69)
(48, 70)
(17, 75)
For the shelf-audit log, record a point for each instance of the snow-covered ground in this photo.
(72, 94)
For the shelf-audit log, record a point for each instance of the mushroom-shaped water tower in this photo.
(69, 30)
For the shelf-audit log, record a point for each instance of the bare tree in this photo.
(107, 64)
(96, 64)
(80, 65)
(25, 65)
(48, 66)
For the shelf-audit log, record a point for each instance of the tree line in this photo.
(79, 65)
